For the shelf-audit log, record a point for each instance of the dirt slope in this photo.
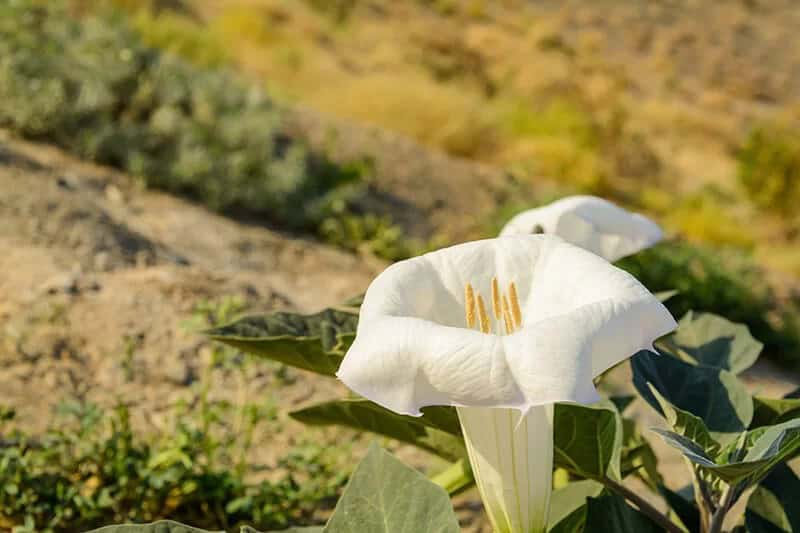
(98, 276)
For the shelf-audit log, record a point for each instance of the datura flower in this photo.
(592, 223)
(501, 329)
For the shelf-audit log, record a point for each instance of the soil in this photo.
(94, 268)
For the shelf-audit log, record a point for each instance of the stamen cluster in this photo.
(505, 306)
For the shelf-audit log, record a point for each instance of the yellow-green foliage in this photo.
(557, 140)
(182, 36)
(703, 218)
(416, 106)
(769, 167)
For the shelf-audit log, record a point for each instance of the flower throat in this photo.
(505, 306)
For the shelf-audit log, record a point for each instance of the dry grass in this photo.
(547, 90)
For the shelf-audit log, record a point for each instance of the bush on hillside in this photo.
(720, 282)
(92, 87)
(769, 167)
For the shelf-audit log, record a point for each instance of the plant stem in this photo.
(644, 506)
(718, 518)
(455, 478)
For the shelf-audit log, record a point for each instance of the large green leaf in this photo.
(714, 395)
(168, 526)
(314, 342)
(435, 432)
(686, 424)
(690, 449)
(386, 496)
(765, 448)
(771, 446)
(611, 512)
(775, 504)
(771, 411)
(685, 509)
(637, 456)
(712, 340)
(308, 529)
(587, 440)
(568, 506)
(162, 526)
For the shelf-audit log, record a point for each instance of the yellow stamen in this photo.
(469, 297)
(516, 312)
(484, 317)
(507, 316)
(496, 299)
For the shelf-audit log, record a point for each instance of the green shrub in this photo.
(92, 467)
(92, 87)
(722, 282)
(769, 167)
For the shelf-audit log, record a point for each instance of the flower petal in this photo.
(592, 223)
(581, 315)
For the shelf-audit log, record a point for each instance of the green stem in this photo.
(643, 505)
(455, 478)
(718, 518)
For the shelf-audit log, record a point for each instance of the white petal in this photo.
(592, 223)
(512, 461)
(581, 315)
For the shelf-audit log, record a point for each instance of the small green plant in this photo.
(94, 467)
(769, 167)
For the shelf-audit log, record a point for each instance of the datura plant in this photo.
(489, 355)
(559, 317)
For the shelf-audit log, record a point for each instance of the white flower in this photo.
(501, 328)
(592, 223)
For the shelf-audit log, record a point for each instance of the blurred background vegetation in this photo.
(636, 102)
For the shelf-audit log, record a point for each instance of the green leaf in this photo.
(693, 451)
(386, 496)
(622, 402)
(587, 440)
(771, 446)
(771, 411)
(664, 296)
(611, 513)
(686, 424)
(637, 457)
(314, 342)
(765, 448)
(162, 526)
(685, 509)
(712, 340)
(775, 504)
(433, 432)
(568, 505)
(309, 529)
(714, 395)
(354, 302)
(168, 526)
(793, 394)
